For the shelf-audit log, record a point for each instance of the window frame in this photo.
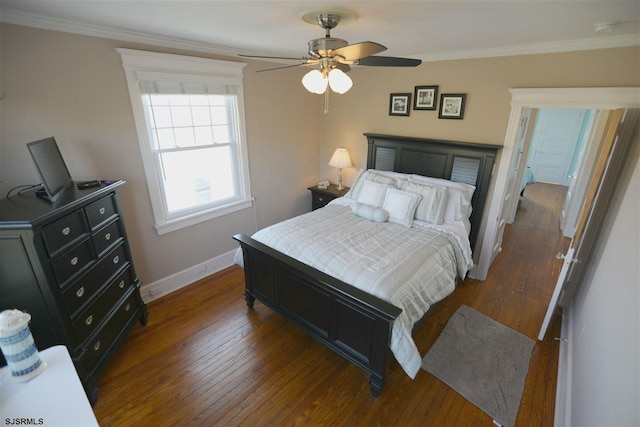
(141, 65)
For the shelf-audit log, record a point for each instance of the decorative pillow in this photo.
(369, 175)
(433, 204)
(372, 193)
(369, 212)
(401, 206)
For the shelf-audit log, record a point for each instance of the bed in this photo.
(323, 287)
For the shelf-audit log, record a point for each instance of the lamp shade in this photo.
(339, 81)
(340, 159)
(315, 82)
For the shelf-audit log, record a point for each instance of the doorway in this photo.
(558, 151)
(604, 99)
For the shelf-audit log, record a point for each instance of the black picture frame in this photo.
(425, 97)
(399, 104)
(452, 106)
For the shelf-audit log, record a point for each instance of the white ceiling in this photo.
(424, 29)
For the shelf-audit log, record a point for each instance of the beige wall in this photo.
(365, 108)
(604, 330)
(74, 88)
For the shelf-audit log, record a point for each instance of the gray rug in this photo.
(484, 361)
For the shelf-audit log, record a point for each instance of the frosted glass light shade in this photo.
(315, 82)
(339, 81)
(340, 159)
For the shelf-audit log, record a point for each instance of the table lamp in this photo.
(340, 160)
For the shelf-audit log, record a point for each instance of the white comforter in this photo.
(412, 268)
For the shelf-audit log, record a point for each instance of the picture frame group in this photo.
(451, 106)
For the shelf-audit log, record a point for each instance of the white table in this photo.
(53, 398)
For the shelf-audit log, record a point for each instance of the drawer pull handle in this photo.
(96, 346)
(116, 259)
(89, 320)
(127, 307)
(107, 236)
(66, 231)
(80, 292)
(102, 211)
(121, 284)
(74, 260)
(321, 199)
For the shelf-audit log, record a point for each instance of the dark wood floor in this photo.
(206, 359)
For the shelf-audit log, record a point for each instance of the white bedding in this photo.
(410, 267)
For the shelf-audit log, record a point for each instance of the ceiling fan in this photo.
(335, 56)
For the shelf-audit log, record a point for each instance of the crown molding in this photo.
(55, 24)
(538, 48)
(38, 21)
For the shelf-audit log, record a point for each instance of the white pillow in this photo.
(391, 174)
(369, 212)
(401, 206)
(458, 206)
(467, 189)
(369, 175)
(433, 204)
(372, 193)
(458, 200)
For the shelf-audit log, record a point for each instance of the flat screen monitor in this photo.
(51, 168)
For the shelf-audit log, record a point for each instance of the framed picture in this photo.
(425, 97)
(452, 105)
(399, 104)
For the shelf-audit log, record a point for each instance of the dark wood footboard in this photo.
(351, 322)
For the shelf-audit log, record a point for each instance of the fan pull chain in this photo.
(326, 101)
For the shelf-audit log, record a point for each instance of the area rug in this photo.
(484, 361)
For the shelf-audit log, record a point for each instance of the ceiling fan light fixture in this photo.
(315, 82)
(339, 81)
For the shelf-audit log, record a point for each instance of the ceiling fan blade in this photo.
(270, 57)
(355, 51)
(284, 66)
(388, 61)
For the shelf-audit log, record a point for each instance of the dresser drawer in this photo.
(106, 237)
(72, 262)
(100, 211)
(94, 315)
(86, 287)
(98, 346)
(63, 232)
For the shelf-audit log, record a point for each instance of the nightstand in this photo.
(321, 196)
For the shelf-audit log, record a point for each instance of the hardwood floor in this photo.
(206, 359)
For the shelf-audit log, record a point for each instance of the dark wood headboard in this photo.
(452, 160)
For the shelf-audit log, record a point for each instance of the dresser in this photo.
(68, 265)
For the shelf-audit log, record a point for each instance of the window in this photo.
(190, 121)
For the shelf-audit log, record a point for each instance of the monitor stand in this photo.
(42, 193)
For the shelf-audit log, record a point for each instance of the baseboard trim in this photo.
(565, 368)
(165, 286)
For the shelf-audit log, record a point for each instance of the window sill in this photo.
(197, 218)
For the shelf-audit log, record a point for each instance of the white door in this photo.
(607, 170)
(510, 201)
(518, 163)
(554, 144)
